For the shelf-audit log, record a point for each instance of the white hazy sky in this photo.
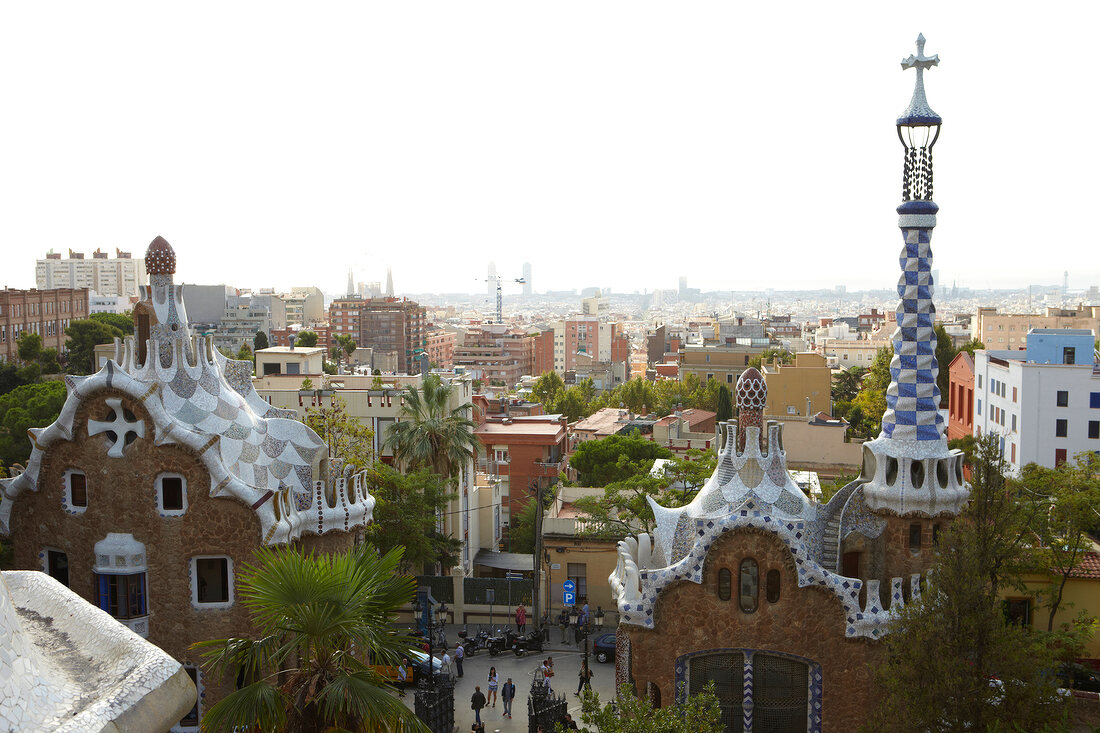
(743, 145)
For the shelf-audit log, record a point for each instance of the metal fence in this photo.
(505, 592)
(443, 587)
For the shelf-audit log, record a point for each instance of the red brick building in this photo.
(960, 414)
(441, 346)
(544, 352)
(524, 452)
(45, 312)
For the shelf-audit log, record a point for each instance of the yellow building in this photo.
(1081, 594)
(724, 363)
(586, 561)
(803, 388)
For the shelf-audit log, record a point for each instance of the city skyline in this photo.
(461, 137)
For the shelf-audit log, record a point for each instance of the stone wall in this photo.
(806, 622)
(122, 498)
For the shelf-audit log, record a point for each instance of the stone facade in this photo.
(805, 622)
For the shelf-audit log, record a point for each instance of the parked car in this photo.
(418, 666)
(604, 648)
(1078, 677)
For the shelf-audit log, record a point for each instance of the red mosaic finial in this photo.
(160, 259)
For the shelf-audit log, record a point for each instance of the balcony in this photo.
(494, 468)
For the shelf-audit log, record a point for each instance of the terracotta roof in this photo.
(1089, 566)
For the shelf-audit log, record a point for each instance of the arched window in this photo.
(725, 584)
(771, 586)
(750, 585)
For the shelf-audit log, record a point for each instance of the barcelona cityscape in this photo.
(511, 367)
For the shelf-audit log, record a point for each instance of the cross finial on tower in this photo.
(919, 112)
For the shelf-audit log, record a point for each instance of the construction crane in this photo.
(500, 293)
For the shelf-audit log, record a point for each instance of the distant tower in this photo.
(351, 284)
(1065, 288)
(389, 282)
(908, 468)
(491, 281)
(527, 278)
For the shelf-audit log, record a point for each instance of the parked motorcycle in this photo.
(529, 642)
(498, 643)
(469, 646)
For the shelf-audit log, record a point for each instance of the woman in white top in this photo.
(492, 697)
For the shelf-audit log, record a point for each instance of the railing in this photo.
(549, 468)
(508, 593)
(442, 586)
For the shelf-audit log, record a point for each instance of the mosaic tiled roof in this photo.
(197, 397)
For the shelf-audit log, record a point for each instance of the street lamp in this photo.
(588, 630)
(417, 608)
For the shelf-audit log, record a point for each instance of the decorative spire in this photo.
(918, 112)
(160, 259)
(752, 398)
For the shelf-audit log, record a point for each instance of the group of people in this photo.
(582, 622)
(507, 695)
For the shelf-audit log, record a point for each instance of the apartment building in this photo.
(1009, 330)
(343, 316)
(440, 346)
(44, 312)
(723, 362)
(803, 388)
(495, 353)
(304, 305)
(522, 453)
(121, 275)
(1043, 402)
(960, 413)
(587, 336)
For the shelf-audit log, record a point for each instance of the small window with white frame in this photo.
(171, 494)
(211, 581)
(76, 491)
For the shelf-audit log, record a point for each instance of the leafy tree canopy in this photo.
(259, 341)
(770, 355)
(83, 337)
(405, 516)
(124, 322)
(306, 338)
(28, 406)
(700, 713)
(431, 434)
(615, 458)
(348, 439)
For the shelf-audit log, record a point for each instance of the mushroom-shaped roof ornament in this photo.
(160, 259)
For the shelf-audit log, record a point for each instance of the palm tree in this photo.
(317, 616)
(428, 434)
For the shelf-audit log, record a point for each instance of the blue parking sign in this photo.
(568, 598)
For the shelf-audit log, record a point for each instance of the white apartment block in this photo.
(99, 273)
(1043, 403)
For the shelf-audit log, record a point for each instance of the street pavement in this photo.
(567, 664)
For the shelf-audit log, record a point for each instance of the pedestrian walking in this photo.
(585, 676)
(477, 702)
(445, 664)
(460, 654)
(493, 686)
(507, 694)
(521, 618)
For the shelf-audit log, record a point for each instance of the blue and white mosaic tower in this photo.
(909, 465)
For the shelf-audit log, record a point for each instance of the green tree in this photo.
(521, 532)
(25, 407)
(699, 713)
(124, 322)
(83, 337)
(944, 648)
(688, 473)
(306, 338)
(13, 374)
(245, 353)
(429, 434)
(971, 346)
(1066, 517)
(871, 399)
(846, 383)
(346, 343)
(623, 508)
(259, 341)
(945, 352)
(318, 617)
(725, 404)
(614, 458)
(348, 439)
(405, 514)
(29, 346)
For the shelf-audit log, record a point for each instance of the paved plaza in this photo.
(567, 664)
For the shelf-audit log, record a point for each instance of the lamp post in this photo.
(588, 630)
(430, 625)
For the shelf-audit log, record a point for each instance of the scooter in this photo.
(469, 646)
